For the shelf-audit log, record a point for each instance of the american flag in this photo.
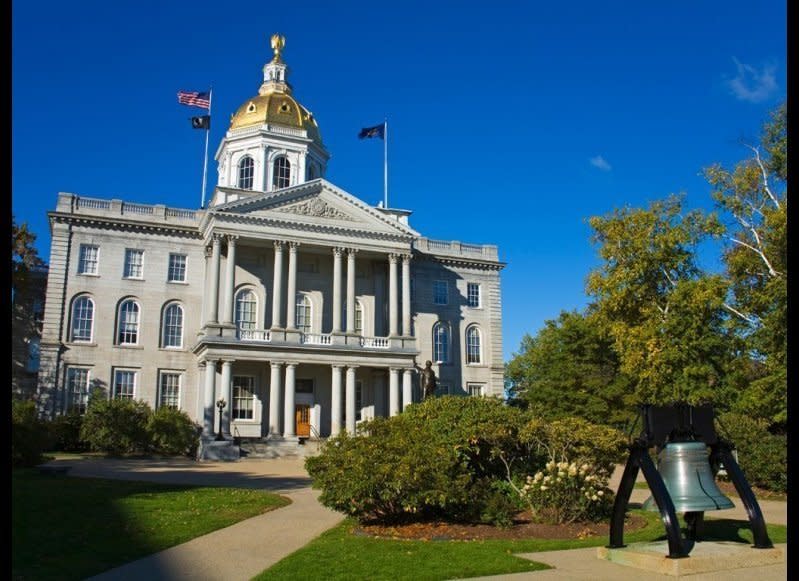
(195, 98)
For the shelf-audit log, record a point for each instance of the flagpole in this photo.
(385, 163)
(205, 156)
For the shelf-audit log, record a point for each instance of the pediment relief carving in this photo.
(316, 207)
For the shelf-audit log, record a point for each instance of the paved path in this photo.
(243, 550)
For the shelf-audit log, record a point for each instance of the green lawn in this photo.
(71, 528)
(340, 554)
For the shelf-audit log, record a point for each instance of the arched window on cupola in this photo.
(281, 173)
(246, 173)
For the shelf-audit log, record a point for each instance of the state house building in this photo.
(304, 308)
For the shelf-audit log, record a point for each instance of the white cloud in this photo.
(600, 163)
(752, 84)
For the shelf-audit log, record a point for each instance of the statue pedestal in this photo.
(218, 450)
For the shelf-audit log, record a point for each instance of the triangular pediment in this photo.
(314, 203)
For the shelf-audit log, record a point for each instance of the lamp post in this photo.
(221, 405)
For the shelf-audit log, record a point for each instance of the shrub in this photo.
(762, 455)
(437, 459)
(171, 432)
(29, 435)
(116, 426)
(567, 492)
(65, 433)
(578, 440)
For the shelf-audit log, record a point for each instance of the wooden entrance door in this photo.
(303, 416)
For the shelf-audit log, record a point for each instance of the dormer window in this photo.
(246, 173)
(281, 173)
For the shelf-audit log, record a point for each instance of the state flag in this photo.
(376, 131)
(201, 122)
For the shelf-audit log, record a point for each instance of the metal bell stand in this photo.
(675, 423)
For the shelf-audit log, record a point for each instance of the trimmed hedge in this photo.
(762, 456)
(29, 435)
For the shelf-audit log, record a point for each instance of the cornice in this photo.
(116, 223)
(462, 262)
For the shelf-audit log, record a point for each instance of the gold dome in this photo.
(274, 103)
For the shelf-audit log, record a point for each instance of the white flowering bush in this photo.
(567, 492)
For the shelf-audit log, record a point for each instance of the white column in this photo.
(335, 401)
(350, 403)
(277, 285)
(351, 290)
(289, 429)
(406, 295)
(274, 398)
(208, 400)
(407, 392)
(230, 275)
(226, 391)
(337, 289)
(392, 295)
(393, 391)
(291, 294)
(213, 296)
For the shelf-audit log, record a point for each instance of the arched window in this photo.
(441, 343)
(473, 345)
(246, 172)
(246, 309)
(303, 318)
(128, 323)
(82, 319)
(281, 173)
(172, 326)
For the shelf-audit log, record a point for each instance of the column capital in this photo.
(406, 257)
(293, 245)
(337, 366)
(395, 369)
(339, 250)
(393, 257)
(278, 245)
(291, 365)
(277, 363)
(210, 361)
(227, 361)
(353, 367)
(352, 251)
(217, 238)
(231, 238)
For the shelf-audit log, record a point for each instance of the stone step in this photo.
(258, 448)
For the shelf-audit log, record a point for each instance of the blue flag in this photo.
(376, 131)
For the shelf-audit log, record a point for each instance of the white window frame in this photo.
(167, 325)
(245, 181)
(165, 374)
(134, 264)
(471, 330)
(71, 392)
(479, 387)
(75, 319)
(438, 285)
(303, 313)
(172, 269)
(237, 386)
(246, 307)
(118, 371)
(122, 337)
(478, 294)
(87, 265)
(436, 343)
(281, 176)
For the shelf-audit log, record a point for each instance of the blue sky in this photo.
(510, 122)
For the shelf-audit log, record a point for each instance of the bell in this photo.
(685, 469)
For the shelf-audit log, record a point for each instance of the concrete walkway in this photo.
(245, 549)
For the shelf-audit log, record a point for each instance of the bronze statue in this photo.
(427, 380)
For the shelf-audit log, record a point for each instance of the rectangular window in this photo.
(473, 294)
(124, 383)
(475, 389)
(134, 263)
(243, 397)
(77, 389)
(169, 390)
(88, 259)
(177, 268)
(440, 292)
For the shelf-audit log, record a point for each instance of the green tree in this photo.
(24, 255)
(665, 316)
(570, 369)
(754, 197)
